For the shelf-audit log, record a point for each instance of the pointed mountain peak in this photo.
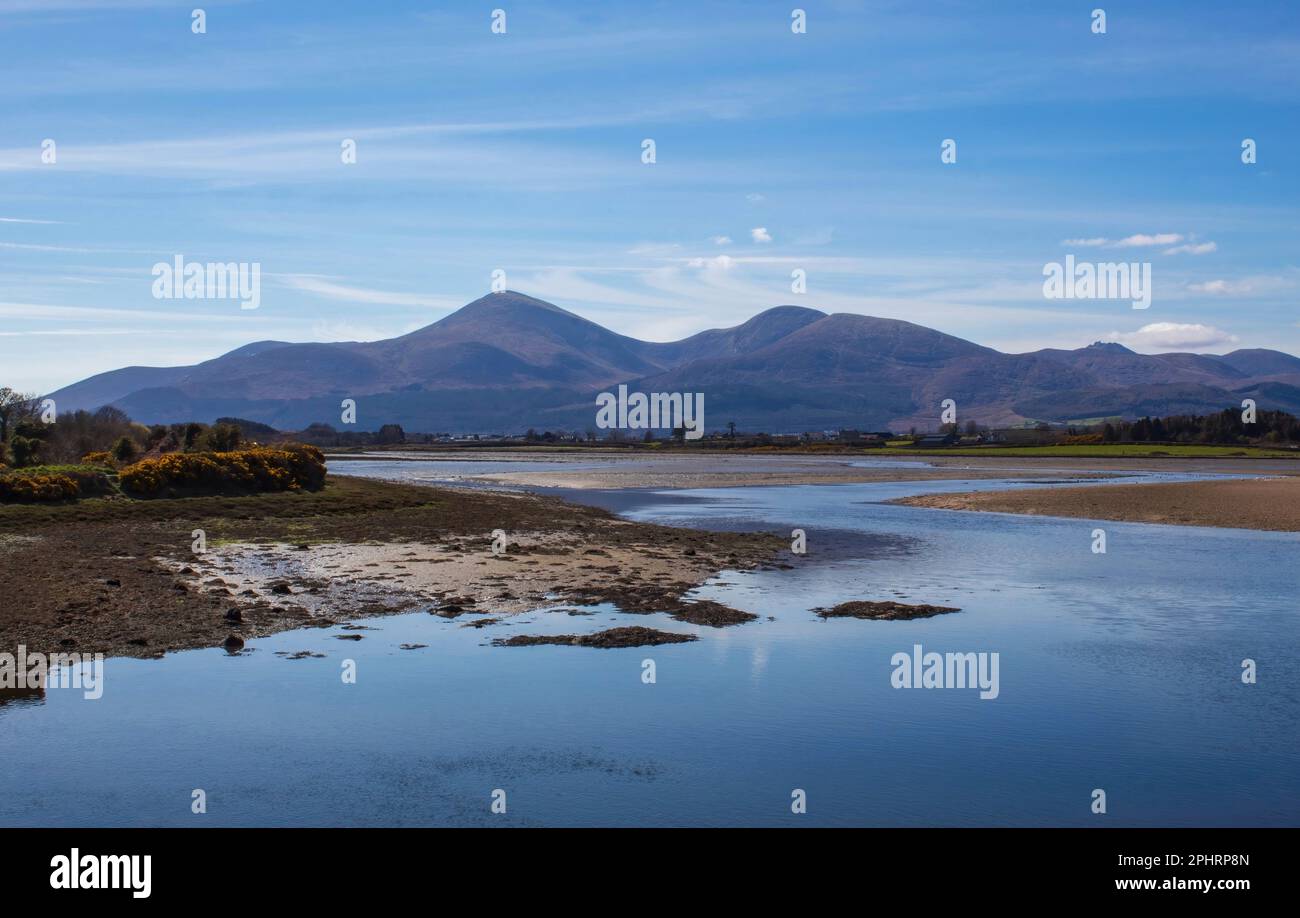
(509, 301)
(504, 310)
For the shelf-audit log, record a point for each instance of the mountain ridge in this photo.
(508, 361)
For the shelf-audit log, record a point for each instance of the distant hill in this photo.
(507, 362)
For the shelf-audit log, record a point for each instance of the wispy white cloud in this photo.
(1178, 243)
(58, 313)
(32, 247)
(1174, 336)
(1220, 287)
(23, 220)
(72, 332)
(760, 234)
(1253, 285)
(1193, 248)
(716, 263)
(1136, 241)
(310, 283)
(79, 250)
(824, 235)
(655, 249)
(1142, 240)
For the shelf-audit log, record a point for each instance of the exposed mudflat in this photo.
(605, 469)
(1253, 503)
(810, 471)
(122, 578)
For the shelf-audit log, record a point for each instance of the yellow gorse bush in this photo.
(290, 467)
(21, 489)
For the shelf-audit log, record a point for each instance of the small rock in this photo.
(635, 636)
(883, 611)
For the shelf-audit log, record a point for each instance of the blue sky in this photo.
(522, 152)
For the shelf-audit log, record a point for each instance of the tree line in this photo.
(27, 440)
(1226, 427)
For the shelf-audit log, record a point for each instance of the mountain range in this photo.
(507, 362)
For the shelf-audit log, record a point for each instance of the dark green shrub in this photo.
(124, 450)
(24, 450)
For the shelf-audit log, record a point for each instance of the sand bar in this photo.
(1253, 503)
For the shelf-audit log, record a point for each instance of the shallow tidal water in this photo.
(1119, 671)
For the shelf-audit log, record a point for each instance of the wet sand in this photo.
(1257, 503)
(619, 480)
(722, 470)
(689, 473)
